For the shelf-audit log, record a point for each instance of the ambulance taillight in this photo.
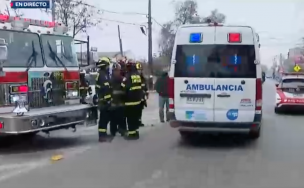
(234, 37)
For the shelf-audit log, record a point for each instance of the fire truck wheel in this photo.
(28, 136)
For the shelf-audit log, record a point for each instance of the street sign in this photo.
(297, 68)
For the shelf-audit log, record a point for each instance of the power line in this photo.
(161, 25)
(115, 12)
(124, 13)
(121, 22)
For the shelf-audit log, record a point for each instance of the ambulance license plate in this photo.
(195, 100)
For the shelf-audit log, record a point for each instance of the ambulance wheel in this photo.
(186, 135)
(255, 134)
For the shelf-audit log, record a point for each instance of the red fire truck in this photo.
(39, 78)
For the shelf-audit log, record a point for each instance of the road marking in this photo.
(157, 174)
(19, 169)
(23, 168)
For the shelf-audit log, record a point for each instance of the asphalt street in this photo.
(160, 159)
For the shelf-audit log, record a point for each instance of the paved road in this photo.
(159, 159)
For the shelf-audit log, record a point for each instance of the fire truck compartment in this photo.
(44, 119)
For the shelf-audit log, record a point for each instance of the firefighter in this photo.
(84, 88)
(123, 72)
(123, 67)
(132, 87)
(103, 90)
(145, 92)
(118, 120)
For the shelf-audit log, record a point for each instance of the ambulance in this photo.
(39, 78)
(215, 80)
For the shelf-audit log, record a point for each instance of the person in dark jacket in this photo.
(145, 92)
(161, 87)
(132, 87)
(118, 120)
(122, 67)
(263, 76)
(103, 90)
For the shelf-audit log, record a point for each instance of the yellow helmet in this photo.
(138, 66)
(103, 62)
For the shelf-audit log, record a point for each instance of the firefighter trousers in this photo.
(133, 114)
(104, 119)
(118, 120)
(142, 106)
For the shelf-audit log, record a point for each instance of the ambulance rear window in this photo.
(215, 61)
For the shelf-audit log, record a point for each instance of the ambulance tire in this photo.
(187, 136)
(255, 134)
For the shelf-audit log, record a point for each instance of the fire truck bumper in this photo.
(46, 119)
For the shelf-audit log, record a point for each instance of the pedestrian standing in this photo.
(161, 87)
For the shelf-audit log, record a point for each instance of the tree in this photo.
(215, 16)
(12, 12)
(185, 13)
(77, 15)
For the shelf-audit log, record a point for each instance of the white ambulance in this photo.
(215, 81)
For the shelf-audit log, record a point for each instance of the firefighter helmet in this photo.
(138, 66)
(103, 62)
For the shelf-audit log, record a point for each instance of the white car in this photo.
(290, 93)
(215, 81)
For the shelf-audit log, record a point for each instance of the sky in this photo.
(277, 22)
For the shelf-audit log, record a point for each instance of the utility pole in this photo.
(120, 41)
(150, 57)
(53, 10)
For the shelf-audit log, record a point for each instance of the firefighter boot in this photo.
(141, 124)
(132, 135)
(106, 138)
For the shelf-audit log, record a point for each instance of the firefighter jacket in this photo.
(132, 87)
(103, 88)
(118, 93)
(144, 87)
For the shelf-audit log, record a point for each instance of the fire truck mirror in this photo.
(3, 50)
